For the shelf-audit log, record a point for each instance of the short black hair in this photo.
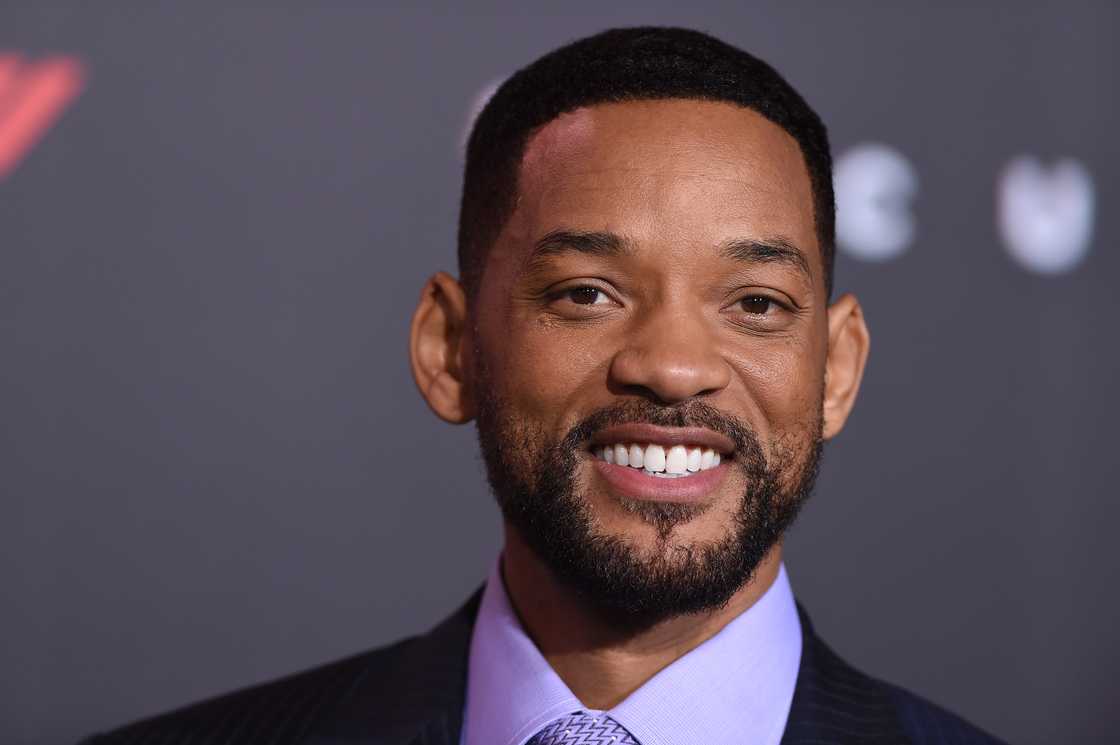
(625, 64)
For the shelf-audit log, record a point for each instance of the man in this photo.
(643, 334)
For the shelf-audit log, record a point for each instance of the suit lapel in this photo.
(835, 703)
(409, 694)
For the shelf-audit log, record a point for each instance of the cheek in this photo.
(784, 381)
(548, 374)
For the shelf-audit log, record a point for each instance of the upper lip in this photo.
(652, 434)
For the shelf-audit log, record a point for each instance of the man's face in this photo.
(658, 285)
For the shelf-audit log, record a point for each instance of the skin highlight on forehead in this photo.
(558, 140)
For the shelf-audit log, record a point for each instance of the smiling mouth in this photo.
(674, 462)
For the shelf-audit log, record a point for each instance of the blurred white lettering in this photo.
(1045, 215)
(874, 187)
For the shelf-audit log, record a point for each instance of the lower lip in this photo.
(634, 483)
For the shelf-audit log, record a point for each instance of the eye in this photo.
(763, 311)
(577, 302)
(757, 305)
(586, 295)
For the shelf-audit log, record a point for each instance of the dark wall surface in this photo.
(214, 223)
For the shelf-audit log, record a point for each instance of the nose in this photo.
(670, 357)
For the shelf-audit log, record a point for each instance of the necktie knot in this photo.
(583, 728)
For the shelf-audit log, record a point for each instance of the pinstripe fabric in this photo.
(277, 713)
(835, 704)
(412, 693)
(409, 693)
(929, 724)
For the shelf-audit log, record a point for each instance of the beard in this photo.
(533, 480)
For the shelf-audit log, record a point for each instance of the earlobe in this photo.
(437, 354)
(849, 343)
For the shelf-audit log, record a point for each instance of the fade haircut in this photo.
(626, 64)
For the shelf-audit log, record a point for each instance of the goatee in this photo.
(533, 481)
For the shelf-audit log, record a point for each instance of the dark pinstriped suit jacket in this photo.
(412, 693)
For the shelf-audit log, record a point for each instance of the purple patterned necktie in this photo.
(582, 728)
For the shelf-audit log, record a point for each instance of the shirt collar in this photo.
(735, 687)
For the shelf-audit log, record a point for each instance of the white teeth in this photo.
(707, 458)
(636, 459)
(621, 455)
(676, 460)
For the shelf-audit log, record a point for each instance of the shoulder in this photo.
(835, 702)
(368, 696)
(926, 723)
(278, 711)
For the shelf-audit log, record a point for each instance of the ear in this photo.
(849, 342)
(438, 349)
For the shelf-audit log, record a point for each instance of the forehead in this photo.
(675, 167)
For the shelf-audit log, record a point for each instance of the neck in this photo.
(600, 664)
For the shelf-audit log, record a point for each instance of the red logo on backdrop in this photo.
(33, 94)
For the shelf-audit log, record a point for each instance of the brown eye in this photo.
(756, 304)
(586, 295)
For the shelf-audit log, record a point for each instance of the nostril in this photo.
(668, 371)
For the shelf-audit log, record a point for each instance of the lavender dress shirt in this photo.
(734, 688)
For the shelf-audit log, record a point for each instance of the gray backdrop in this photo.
(215, 468)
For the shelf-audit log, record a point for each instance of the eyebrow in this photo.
(594, 243)
(771, 250)
(591, 243)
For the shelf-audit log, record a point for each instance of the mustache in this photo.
(692, 413)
